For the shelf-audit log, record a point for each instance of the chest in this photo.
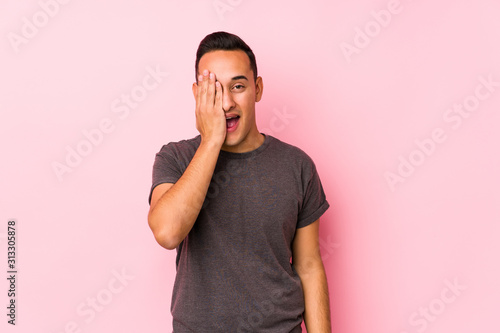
(248, 199)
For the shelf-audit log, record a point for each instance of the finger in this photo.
(204, 88)
(198, 91)
(218, 95)
(211, 90)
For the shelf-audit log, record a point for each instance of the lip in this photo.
(231, 115)
(235, 127)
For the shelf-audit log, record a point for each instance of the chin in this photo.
(232, 142)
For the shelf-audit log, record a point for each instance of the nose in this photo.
(227, 100)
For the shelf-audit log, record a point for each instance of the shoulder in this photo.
(289, 152)
(180, 149)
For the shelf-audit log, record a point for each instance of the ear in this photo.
(195, 90)
(259, 88)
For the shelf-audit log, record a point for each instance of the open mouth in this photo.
(232, 123)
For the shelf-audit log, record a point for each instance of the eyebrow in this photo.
(239, 77)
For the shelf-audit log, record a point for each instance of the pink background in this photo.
(392, 252)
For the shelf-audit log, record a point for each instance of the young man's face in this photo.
(239, 94)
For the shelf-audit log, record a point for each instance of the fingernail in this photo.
(200, 77)
(205, 72)
(211, 76)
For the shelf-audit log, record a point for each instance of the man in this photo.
(241, 208)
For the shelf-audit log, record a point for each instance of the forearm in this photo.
(176, 211)
(316, 298)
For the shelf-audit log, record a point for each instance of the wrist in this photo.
(211, 144)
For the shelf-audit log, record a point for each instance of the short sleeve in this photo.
(165, 168)
(172, 160)
(314, 202)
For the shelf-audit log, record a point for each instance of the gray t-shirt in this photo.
(234, 271)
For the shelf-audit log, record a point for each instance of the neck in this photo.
(253, 141)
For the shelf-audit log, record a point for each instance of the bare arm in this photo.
(175, 207)
(308, 264)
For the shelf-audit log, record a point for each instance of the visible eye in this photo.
(238, 87)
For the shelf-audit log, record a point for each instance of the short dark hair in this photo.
(227, 42)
